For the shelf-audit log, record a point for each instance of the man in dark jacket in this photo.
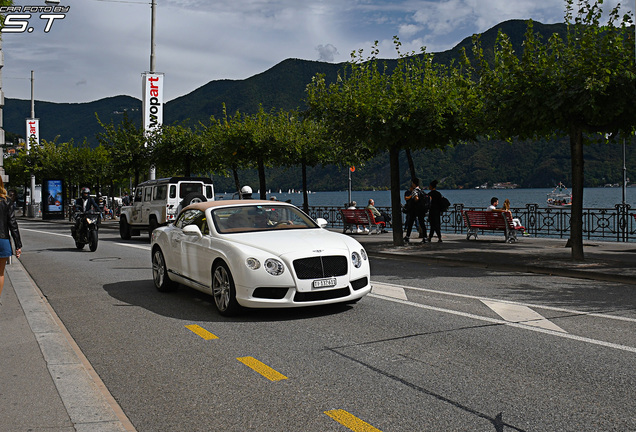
(84, 204)
(435, 212)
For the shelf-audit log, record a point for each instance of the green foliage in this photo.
(126, 144)
(583, 85)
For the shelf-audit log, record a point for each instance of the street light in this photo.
(153, 14)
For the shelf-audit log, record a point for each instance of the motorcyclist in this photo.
(246, 192)
(84, 204)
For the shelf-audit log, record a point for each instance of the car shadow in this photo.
(191, 305)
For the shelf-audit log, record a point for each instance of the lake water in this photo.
(592, 197)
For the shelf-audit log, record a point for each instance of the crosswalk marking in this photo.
(521, 314)
(388, 290)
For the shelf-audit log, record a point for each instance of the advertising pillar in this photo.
(53, 202)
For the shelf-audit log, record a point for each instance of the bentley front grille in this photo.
(321, 267)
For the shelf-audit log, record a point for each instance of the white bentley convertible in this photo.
(258, 254)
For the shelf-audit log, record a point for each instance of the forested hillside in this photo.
(528, 164)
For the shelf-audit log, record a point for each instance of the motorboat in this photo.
(560, 197)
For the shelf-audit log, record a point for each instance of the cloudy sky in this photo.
(101, 47)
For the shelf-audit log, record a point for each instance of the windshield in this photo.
(260, 218)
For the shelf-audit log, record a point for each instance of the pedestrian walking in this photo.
(435, 212)
(417, 204)
(8, 229)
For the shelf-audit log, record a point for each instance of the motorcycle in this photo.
(86, 231)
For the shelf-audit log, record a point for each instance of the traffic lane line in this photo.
(200, 331)
(262, 368)
(510, 324)
(350, 421)
(134, 246)
(531, 305)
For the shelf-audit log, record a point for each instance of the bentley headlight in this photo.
(274, 267)
(356, 259)
(253, 263)
(364, 254)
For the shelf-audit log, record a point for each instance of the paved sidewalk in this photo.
(47, 385)
(604, 261)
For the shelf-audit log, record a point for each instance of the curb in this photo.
(88, 403)
(551, 271)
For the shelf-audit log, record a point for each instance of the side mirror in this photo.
(322, 222)
(192, 230)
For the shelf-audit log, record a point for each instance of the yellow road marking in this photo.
(201, 332)
(262, 368)
(350, 421)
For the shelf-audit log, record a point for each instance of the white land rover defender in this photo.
(157, 202)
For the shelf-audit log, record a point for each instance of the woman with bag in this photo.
(8, 229)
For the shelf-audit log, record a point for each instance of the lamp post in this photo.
(29, 142)
(153, 15)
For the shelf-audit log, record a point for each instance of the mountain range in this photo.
(283, 87)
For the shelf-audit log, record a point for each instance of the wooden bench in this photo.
(364, 217)
(480, 220)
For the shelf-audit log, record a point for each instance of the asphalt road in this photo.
(433, 349)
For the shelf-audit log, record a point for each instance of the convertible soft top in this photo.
(223, 203)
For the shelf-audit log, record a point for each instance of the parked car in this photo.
(258, 254)
(156, 202)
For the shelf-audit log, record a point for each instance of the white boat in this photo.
(560, 197)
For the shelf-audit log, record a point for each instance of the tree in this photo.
(305, 140)
(581, 85)
(174, 145)
(227, 139)
(127, 146)
(416, 105)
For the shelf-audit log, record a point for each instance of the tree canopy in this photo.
(582, 85)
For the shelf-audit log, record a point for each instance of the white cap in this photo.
(246, 190)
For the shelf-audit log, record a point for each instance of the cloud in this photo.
(327, 52)
(101, 48)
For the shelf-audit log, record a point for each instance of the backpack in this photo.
(423, 204)
(444, 204)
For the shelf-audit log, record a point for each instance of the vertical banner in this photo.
(152, 88)
(32, 133)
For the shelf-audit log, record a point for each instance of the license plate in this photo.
(322, 283)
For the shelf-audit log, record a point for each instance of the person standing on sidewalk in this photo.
(8, 229)
(435, 212)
